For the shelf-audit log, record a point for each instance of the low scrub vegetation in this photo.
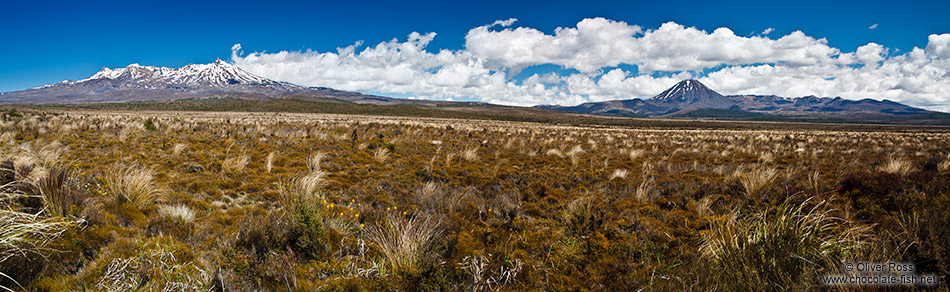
(184, 201)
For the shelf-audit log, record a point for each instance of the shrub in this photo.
(303, 203)
(149, 124)
(133, 184)
(380, 143)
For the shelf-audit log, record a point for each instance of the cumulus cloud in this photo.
(768, 30)
(597, 56)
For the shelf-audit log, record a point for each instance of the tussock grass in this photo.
(58, 191)
(178, 212)
(757, 180)
(897, 165)
(782, 247)
(178, 148)
(944, 165)
(541, 199)
(434, 197)
(430, 195)
(313, 162)
(406, 244)
(236, 163)
(645, 191)
(381, 154)
(470, 154)
(619, 173)
(23, 233)
(636, 153)
(578, 214)
(704, 206)
(133, 184)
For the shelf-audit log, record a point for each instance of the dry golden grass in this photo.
(269, 162)
(235, 164)
(406, 244)
(470, 154)
(178, 149)
(380, 154)
(897, 165)
(757, 180)
(178, 212)
(133, 184)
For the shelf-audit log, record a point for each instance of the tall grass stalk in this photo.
(269, 163)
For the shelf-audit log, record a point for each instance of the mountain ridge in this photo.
(690, 95)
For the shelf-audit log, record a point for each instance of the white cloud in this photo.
(873, 26)
(791, 65)
(768, 31)
(596, 43)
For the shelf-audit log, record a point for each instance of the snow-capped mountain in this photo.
(691, 94)
(150, 83)
(219, 73)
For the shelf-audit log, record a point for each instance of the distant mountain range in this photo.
(199, 81)
(221, 80)
(690, 98)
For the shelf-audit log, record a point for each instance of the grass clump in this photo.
(133, 184)
(178, 212)
(236, 163)
(757, 180)
(784, 247)
(381, 154)
(59, 192)
(897, 165)
(406, 244)
(23, 239)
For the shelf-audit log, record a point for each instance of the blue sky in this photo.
(48, 42)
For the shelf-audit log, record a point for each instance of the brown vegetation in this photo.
(310, 202)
